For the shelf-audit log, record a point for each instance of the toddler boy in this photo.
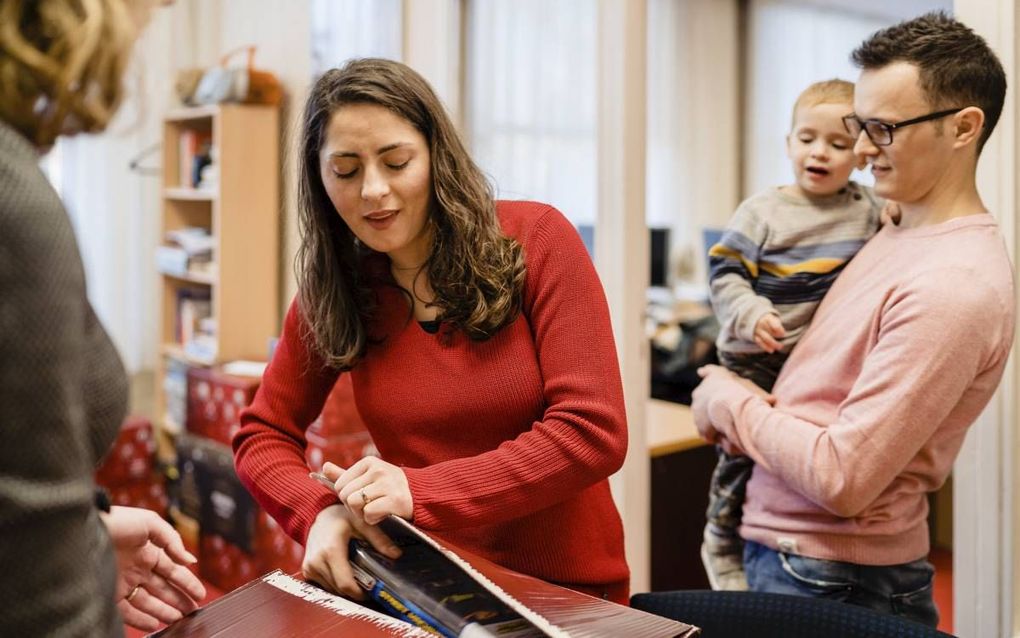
(779, 255)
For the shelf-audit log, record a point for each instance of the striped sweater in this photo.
(780, 254)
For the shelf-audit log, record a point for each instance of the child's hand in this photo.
(890, 214)
(766, 332)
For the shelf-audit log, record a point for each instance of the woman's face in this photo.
(377, 171)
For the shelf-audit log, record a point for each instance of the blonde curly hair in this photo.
(61, 63)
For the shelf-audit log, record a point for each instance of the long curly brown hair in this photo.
(476, 273)
(62, 63)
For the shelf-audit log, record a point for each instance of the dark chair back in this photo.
(731, 614)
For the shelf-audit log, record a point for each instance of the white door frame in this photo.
(986, 549)
(621, 252)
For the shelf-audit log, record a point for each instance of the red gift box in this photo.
(339, 413)
(215, 401)
(227, 566)
(149, 494)
(224, 564)
(130, 459)
(274, 548)
(343, 450)
(338, 435)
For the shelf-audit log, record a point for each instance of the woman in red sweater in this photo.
(478, 341)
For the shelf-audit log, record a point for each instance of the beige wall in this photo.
(282, 32)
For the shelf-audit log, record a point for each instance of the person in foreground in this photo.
(477, 336)
(906, 349)
(780, 253)
(67, 566)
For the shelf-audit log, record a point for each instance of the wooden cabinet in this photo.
(681, 466)
(236, 287)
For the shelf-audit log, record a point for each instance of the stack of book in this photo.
(187, 252)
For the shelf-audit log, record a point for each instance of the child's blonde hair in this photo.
(833, 91)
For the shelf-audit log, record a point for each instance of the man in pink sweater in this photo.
(904, 352)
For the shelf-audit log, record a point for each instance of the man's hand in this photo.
(890, 214)
(709, 403)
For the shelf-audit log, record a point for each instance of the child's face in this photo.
(820, 148)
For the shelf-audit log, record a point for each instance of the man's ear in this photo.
(789, 151)
(967, 126)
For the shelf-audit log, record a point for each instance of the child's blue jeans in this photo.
(903, 590)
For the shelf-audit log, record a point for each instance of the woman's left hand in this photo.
(372, 489)
(153, 583)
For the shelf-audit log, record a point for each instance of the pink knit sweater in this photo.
(873, 405)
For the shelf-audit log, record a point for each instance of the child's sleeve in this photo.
(733, 270)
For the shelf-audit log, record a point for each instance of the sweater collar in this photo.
(977, 220)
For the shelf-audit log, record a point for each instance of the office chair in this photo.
(732, 614)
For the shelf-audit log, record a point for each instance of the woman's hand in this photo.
(153, 584)
(372, 489)
(326, 560)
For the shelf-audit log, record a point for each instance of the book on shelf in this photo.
(188, 251)
(431, 590)
(193, 154)
(195, 328)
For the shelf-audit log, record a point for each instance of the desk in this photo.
(669, 428)
(681, 466)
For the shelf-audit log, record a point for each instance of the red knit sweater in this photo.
(506, 443)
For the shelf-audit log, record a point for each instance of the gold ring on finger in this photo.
(132, 594)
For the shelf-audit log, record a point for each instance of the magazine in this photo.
(430, 591)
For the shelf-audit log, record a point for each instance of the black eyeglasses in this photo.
(880, 133)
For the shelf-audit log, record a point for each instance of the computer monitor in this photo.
(658, 251)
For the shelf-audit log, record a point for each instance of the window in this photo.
(790, 45)
(531, 100)
(345, 29)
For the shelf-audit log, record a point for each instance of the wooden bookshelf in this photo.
(241, 212)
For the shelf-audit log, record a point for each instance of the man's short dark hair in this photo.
(956, 66)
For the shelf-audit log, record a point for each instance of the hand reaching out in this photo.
(767, 332)
(153, 583)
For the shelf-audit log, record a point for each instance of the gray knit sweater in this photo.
(63, 394)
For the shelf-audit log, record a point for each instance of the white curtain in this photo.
(344, 29)
(531, 100)
(790, 45)
(693, 127)
(115, 210)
